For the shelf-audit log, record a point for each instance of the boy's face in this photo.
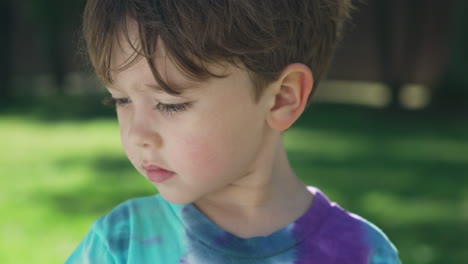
(211, 136)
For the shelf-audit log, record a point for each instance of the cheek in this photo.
(207, 154)
(202, 154)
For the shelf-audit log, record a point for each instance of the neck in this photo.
(265, 200)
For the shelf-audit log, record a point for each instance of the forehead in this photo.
(127, 62)
(127, 45)
(139, 69)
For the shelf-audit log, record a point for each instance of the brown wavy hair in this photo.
(263, 36)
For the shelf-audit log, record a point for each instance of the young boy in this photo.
(204, 90)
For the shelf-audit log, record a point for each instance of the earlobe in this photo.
(291, 94)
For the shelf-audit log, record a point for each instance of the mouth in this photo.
(157, 174)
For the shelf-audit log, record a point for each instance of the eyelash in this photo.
(164, 108)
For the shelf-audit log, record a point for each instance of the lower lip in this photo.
(159, 175)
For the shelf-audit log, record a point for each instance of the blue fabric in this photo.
(151, 230)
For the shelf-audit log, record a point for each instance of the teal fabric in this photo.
(151, 230)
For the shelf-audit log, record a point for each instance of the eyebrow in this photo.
(179, 88)
(158, 89)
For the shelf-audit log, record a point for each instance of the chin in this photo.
(177, 199)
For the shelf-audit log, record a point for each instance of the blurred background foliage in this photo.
(386, 136)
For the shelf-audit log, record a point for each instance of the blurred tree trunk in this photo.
(54, 17)
(55, 50)
(399, 35)
(55, 20)
(452, 92)
(6, 24)
(384, 36)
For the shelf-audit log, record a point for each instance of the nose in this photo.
(143, 134)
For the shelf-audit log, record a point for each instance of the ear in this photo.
(291, 92)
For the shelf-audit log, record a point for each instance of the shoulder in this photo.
(350, 232)
(133, 222)
(131, 218)
(382, 250)
(133, 207)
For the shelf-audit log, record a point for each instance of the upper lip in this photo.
(152, 167)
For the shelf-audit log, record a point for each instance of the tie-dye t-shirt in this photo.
(151, 230)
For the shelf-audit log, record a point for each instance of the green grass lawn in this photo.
(406, 172)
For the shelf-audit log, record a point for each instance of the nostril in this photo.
(142, 131)
(148, 139)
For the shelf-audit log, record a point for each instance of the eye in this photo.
(116, 102)
(172, 108)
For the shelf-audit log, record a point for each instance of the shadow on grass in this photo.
(111, 180)
(383, 123)
(405, 177)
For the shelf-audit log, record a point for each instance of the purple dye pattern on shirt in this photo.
(328, 234)
(223, 239)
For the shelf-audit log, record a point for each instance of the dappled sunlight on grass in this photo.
(402, 211)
